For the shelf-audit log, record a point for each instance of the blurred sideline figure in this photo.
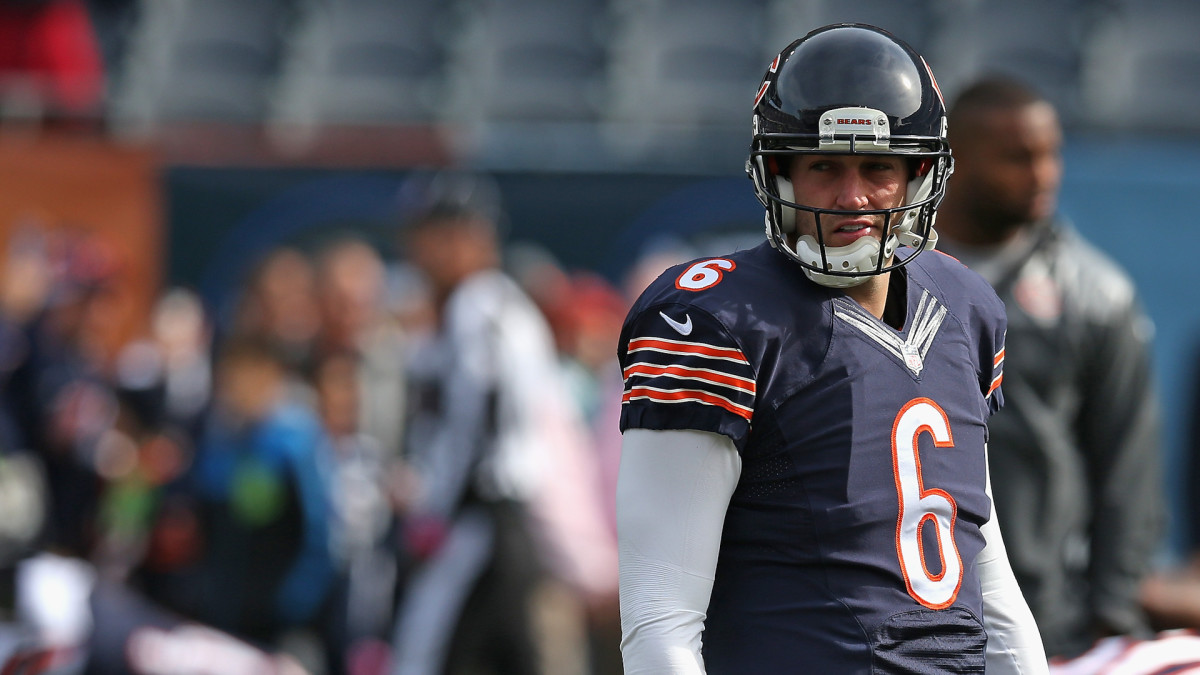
(1075, 452)
(504, 532)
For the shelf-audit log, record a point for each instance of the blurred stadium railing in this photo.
(608, 84)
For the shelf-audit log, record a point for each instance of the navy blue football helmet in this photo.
(850, 89)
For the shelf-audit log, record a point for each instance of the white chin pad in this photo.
(861, 256)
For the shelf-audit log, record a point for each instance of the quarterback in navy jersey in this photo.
(804, 483)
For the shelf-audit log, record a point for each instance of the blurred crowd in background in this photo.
(253, 475)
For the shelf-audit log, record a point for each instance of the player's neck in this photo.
(872, 294)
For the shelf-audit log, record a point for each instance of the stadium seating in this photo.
(1038, 41)
(644, 74)
(1141, 69)
(364, 61)
(529, 61)
(202, 59)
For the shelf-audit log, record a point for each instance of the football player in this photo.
(803, 483)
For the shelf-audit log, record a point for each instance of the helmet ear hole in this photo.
(923, 167)
(773, 165)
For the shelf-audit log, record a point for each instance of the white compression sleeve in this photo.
(672, 493)
(1014, 645)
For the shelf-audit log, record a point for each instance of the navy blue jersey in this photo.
(850, 540)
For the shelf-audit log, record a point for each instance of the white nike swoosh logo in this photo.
(684, 328)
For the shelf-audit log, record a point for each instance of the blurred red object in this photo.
(49, 49)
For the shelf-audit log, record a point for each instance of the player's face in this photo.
(847, 183)
(1011, 166)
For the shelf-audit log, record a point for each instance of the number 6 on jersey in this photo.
(704, 274)
(920, 507)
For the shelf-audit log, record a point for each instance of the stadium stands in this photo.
(1141, 67)
(363, 61)
(639, 73)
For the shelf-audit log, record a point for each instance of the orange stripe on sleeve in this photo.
(687, 395)
(678, 347)
(710, 376)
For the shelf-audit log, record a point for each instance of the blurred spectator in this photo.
(279, 304)
(163, 385)
(540, 275)
(167, 376)
(351, 283)
(28, 272)
(362, 516)
(59, 410)
(50, 61)
(58, 394)
(349, 288)
(25, 282)
(183, 332)
(253, 555)
(595, 314)
(137, 459)
(1075, 454)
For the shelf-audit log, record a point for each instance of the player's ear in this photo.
(780, 165)
(773, 166)
(920, 167)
